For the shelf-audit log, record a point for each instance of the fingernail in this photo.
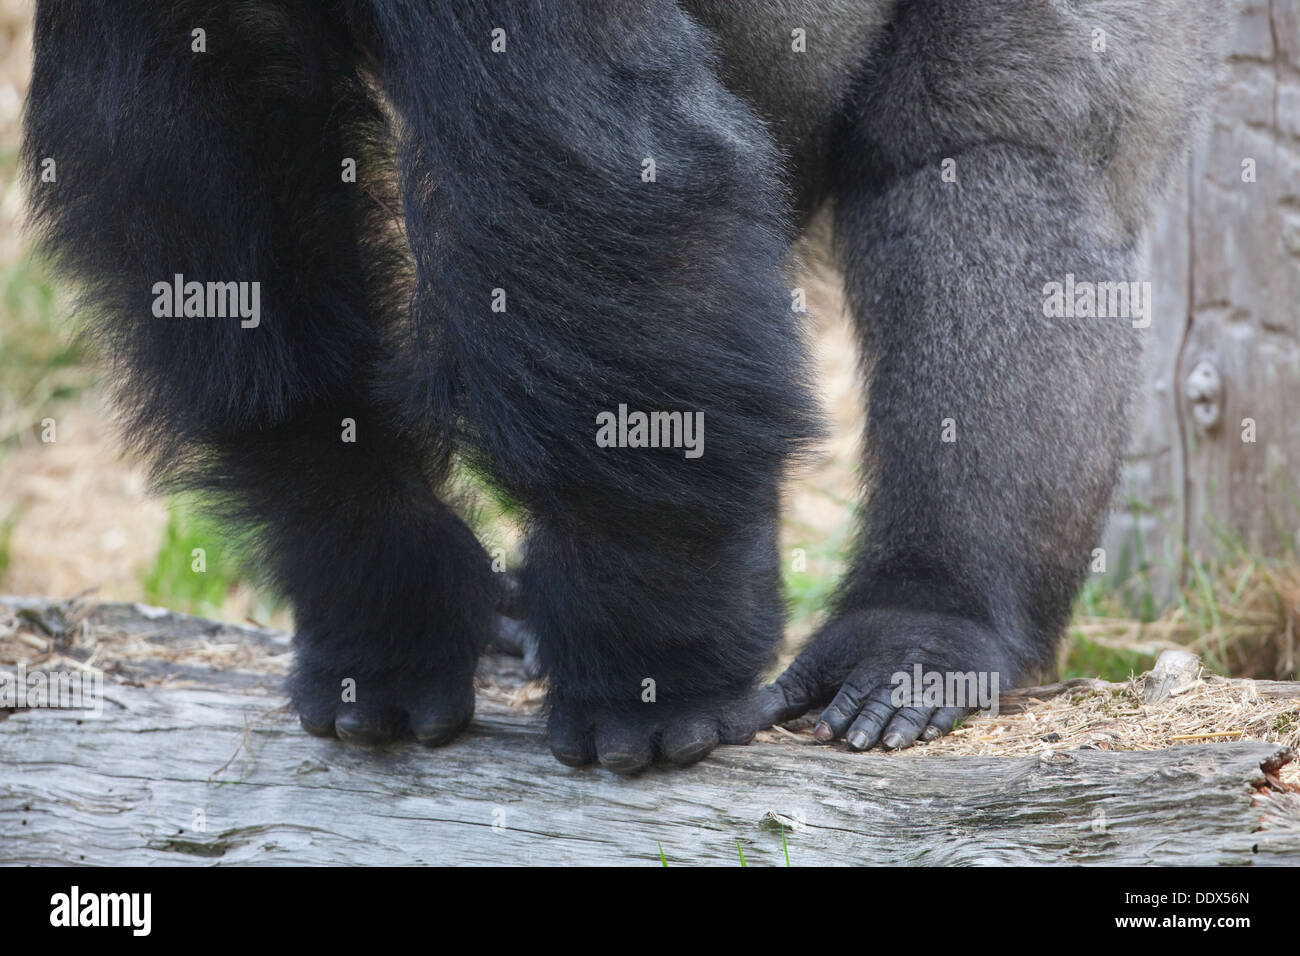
(893, 740)
(823, 731)
(857, 740)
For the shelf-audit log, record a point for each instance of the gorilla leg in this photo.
(224, 164)
(596, 224)
(995, 431)
(390, 589)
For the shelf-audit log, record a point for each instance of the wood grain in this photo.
(126, 788)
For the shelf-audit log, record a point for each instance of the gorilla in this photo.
(335, 249)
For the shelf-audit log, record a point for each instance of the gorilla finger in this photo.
(572, 739)
(738, 723)
(440, 719)
(687, 741)
(789, 697)
(908, 724)
(872, 716)
(370, 726)
(624, 747)
(316, 718)
(835, 719)
(318, 726)
(942, 722)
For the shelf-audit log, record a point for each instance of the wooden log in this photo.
(218, 771)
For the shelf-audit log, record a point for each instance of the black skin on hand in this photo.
(849, 670)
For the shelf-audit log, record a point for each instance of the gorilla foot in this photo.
(376, 707)
(891, 677)
(515, 638)
(629, 738)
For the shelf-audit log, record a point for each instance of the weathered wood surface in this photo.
(128, 788)
(1223, 257)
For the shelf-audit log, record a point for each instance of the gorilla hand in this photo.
(866, 664)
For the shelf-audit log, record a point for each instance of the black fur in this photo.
(521, 171)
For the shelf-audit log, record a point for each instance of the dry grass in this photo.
(80, 644)
(1115, 718)
(1105, 716)
(1242, 617)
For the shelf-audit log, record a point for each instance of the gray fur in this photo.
(972, 552)
(801, 95)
